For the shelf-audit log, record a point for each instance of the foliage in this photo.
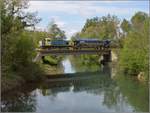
(133, 58)
(125, 25)
(17, 44)
(105, 27)
(138, 19)
(14, 18)
(55, 31)
(134, 55)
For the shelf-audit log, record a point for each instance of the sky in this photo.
(71, 16)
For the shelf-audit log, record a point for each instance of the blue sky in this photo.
(71, 15)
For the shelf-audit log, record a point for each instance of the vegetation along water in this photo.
(73, 83)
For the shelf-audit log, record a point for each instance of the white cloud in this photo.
(116, 1)
(84, 9)
(81, 8)
(40, 28)
(57, 20)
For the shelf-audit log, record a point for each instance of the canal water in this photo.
(92, 89)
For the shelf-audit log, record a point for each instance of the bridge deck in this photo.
(45, 52)
(76, 52)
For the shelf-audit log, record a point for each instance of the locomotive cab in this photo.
(47, 41)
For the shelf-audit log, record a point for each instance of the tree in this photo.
(55, 31)
(126, 26)
(75, 36)
(14, 18)
(102, 28)
(17, 43)
(90, 22)
(134, 55)
(138, 19)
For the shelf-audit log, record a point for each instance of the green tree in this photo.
(17, 43)
(105, 27)
(138, 20)
(14, 17)
(134, 55)
(126, 26)
(55, 31)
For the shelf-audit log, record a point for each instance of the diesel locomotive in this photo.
(74, 44)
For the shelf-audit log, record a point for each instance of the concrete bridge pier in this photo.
(38, 57)
(105, 58)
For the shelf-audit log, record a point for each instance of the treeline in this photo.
(105, 27)
(18, 44)
(134, 57)
(131, 35)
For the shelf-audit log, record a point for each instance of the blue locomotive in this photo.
(91, 43)
(75, 44)
(50, 43)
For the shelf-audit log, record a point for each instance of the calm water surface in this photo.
(87, 92)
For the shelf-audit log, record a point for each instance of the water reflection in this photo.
(67, 66)
(96, 92)
(136, 93)
(86, 92)
(85, 63)
(20, 100)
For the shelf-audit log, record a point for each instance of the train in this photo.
(50, 43)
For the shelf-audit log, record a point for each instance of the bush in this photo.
(134, 55)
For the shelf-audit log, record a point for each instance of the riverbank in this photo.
(8, 84)
(10, 81)
(15, 80)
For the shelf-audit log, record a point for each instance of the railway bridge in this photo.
(105, 52)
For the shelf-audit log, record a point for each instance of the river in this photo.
(91, 89)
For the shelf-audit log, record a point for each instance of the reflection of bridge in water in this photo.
(77, 82)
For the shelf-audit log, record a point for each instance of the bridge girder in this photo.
(69, 52)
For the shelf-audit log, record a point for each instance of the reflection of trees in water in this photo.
(116, 96)
(106, 69)
(98, 84)
(80, 82)
(83, 63)
(22, 104)
(52, 88)
(136, 93)
(113, 98)
(18, 101)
